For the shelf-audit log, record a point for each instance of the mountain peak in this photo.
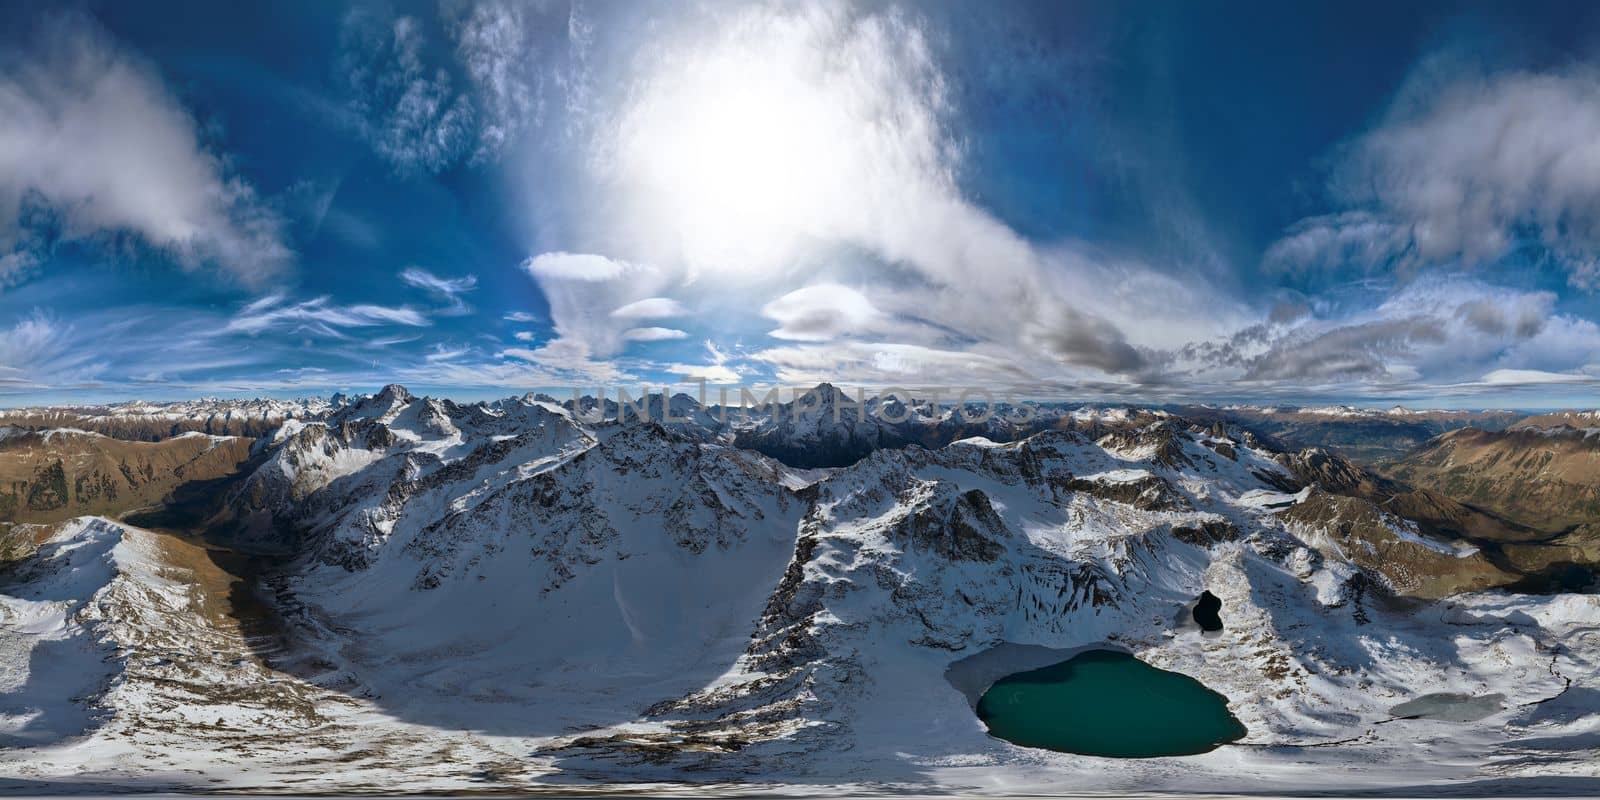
(393, 393)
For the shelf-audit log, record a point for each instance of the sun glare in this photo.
(736, 157)
(741, 153)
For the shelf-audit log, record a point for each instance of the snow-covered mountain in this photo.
(507, 595)
(145, 421)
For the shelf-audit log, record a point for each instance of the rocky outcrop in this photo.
(1543, 478)
(1411, 564)
(51, 476)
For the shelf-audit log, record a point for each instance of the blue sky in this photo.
(1151, 202)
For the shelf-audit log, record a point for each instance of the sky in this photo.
(1143, 202)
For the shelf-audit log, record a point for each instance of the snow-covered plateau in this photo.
(503, 597)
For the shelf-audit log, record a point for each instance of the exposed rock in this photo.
(1356, 530)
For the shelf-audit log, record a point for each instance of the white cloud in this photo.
(442, 353)
(36, 351)
(653, 334)
(650, 308)
(575, 267)
(91, 137)
(748, 146)
(569, 359)
(1523, 377)
(821, 312)
(410, 111)
(1360, 239)
(445, 287)
(710, 373)
(492, 45)
(448, 290)
(521, 316)
(1464, 170)
(583, 288)
(889, 363)
(15, 266)
(1436, 330)
(425, 113)
(317, 315)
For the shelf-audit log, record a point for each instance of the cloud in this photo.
(650, 308)
(444, 287)
(821, 312)
(1084, 340)
(520, 316)
(93, 145)
(1362, 350)
(889, 363)
(411, 112)
(1435, 330)
(568, 359)
(653, 334)
(15, 267)
(1360, 239)
(37, 352)
(448, 290)
(1523, 377)
(442, 353)
(422, 113)
(710, 373)
(318, 315)
(1466, 169)
(582, 290)
(574, 267)
(745, 147)
(493, 47)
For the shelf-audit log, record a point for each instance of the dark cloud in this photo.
(1087, 341)
(1354, 351)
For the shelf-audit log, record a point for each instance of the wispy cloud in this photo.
(318, 315)
(447, 290)
(1436, 330)
(412, 113)
(423, 113)
(493, 46)
(37, 351)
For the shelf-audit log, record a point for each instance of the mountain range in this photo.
(512, 595)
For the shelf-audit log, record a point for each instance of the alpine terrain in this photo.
(401, 590)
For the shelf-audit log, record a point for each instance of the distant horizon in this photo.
(564, 393)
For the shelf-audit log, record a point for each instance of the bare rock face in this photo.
(51, 476)
(1543, 478)
(1330, 472)
(1147, 492)
(1364, 434)
(1410, 563)
(962, 527)
(1159, 442)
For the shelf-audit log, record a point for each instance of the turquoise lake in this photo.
(1106, 703)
